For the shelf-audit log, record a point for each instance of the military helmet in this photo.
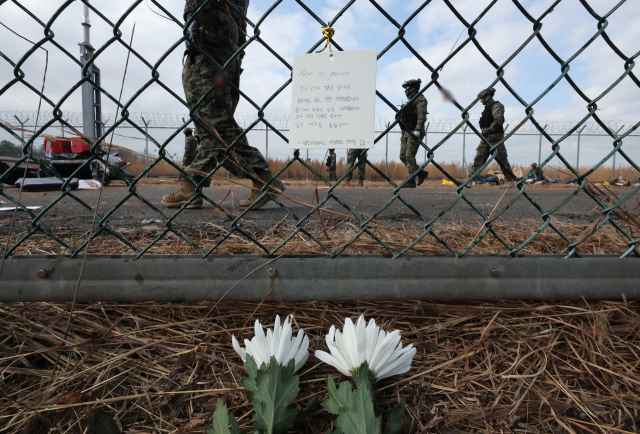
(188, 132)
(414, 82)
(490, 91)
(534, 165)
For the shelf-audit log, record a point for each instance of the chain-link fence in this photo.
(525, 145)
(319, 221)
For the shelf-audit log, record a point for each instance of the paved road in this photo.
(70, 215)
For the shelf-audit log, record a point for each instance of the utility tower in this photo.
(91, 107)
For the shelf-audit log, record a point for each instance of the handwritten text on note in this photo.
(333, 101)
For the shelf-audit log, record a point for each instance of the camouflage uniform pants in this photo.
(190, 150)
(408, 151)
(352, 156)
(190, 153)
(333, 175)
(216, 111)
(484, 152)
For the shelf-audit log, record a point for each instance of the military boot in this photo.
(346, 183)
(182, 196)
(410, 184)
(422, 176)
(360, 183)
(256, 191)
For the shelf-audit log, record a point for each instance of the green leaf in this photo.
(273, 389)
(235, 427)
(220, 420)
(338, 398)
(304, 413)
(249, 382)
(362, 379)
(395, 418)
(354, 408)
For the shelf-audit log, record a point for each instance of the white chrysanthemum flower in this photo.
(277, 343)
(356, 344)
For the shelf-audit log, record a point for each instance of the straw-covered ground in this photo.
(504, 367)
(606, 240)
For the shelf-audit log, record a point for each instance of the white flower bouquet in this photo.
(366, 354)
(271, 360)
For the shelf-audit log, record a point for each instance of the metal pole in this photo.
(91, 99)
(307, 164)
(146, 141)
(266, 129)
(386, 152)
(344, 278)
(613, 169)
(426, 132)
(578, 153)
(21, 126)
(540, 145)
(464, 158)
(66, 120)
(104, 124)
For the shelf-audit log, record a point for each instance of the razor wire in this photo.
(283, 122)
(617, 131)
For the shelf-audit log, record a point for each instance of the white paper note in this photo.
(333, 101)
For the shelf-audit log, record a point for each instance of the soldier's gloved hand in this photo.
(418, 134)
(484, 131)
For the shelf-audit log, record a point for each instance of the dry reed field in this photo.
(502, 367)
(395, 170)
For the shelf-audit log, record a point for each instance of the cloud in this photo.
(290, 30)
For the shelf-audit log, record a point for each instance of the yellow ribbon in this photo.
(328, 33)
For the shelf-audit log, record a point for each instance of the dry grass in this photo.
(395, 170)
(505, 367)
(459, 236)
(338, 231)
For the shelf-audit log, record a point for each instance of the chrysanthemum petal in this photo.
(277, 343)
(236, 346)
(366, 342)
(330, 360)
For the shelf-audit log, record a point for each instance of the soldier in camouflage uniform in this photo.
(412, 120)
(331, 165)
(190, 151)
(492, 125)
(538, 174)
(219, 30)
(354, 155)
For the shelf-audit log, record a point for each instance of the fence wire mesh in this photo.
(309, 224)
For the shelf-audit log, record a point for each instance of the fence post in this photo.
(21, 126)
(104, 126)
(540, 146)
(386, 152)
(426, 132)
(66, 120)
(146, 142)
(266, 128)
(578, 153)
(307, 164)
(613, 169)
(464, 156)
